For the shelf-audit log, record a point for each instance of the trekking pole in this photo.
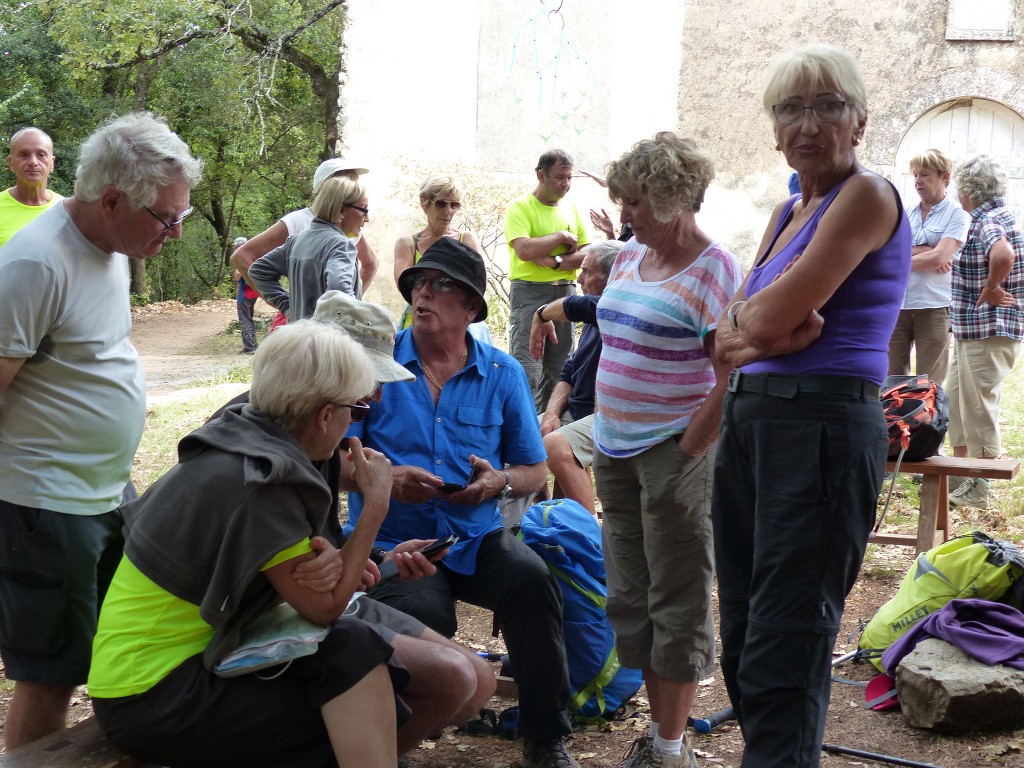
(849, 751)
(888, 498)
(707, 724)
(712, 721)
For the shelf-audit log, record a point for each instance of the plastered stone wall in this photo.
(483, 87)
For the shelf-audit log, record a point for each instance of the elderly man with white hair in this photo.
(73, 404)
(31, 161)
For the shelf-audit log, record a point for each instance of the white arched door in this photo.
(964, 127)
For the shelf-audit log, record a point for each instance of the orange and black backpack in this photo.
(917, 416)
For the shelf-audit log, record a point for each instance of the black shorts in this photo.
(54, 571)
(194, 718)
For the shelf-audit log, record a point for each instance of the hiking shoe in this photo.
(973, 492)
(643, 754)
(550, 753)
(640, 753)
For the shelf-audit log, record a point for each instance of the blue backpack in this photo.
(568, 539)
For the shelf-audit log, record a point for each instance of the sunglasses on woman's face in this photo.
(358, 411)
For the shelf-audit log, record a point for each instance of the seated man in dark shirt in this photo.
(567, 421)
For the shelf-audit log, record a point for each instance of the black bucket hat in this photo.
(458, 261)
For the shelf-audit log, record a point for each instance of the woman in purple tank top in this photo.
(802, 450)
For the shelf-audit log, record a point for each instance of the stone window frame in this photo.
(974, 33)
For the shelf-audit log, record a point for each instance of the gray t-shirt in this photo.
(72, 417)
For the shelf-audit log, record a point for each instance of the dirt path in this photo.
(179, 344)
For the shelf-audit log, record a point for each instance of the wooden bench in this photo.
(81, 746)
(933, 522)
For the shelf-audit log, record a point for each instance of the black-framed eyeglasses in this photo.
(358, 411)
(364, 211)
(441, 284)
(168, 225)
(447, 204)
(790, 113)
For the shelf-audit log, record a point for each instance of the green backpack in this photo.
(972, 566)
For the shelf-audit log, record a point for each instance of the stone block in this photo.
(943, 689)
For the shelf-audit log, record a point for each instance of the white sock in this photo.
(669, 746)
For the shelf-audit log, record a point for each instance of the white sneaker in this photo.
(973, 492)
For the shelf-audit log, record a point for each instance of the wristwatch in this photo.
(506, 492)
(558, 261)
(539, 313)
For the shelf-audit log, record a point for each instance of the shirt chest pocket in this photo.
(476, 429)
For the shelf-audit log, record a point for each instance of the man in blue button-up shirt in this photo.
(470, 413)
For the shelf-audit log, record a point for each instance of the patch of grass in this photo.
(168, 419)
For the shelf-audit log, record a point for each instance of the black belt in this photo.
(788, 387)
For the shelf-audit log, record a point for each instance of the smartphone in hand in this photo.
(455, 487)
(389, 570)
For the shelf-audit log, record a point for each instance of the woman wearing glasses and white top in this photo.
(441, 200)
(802, 450)
(939, 226)
(320, 259)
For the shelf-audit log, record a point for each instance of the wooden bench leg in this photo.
(933, 523)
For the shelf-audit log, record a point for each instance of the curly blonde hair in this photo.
(671, 172)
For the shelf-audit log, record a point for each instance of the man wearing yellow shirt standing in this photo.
(544, 233)
(31, 161)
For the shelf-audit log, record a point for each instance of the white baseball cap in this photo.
(370, 325)
(329, 168)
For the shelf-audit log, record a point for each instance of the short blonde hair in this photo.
(671, 172)
(335, 193)
(437, 186)
(979, 178)
(817, 66)
(303, 365)
(932, 160)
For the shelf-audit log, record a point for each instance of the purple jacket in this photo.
(987, 631)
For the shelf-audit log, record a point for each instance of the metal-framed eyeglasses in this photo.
(168, 225)
(790, 113)
(442, 204)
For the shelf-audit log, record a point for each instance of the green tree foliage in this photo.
(252, 87)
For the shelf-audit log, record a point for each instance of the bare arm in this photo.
(405, 251)
(538, 249)
(541, 332)
(938, 258)
(524, 479)
(471, 240)
(702, 432)
(1000, 264)
(263, 243)
(373, 475)
(368, 263)
(602, 221)
(557, 403)
(860, 220)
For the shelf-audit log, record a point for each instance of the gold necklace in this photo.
(430, 376)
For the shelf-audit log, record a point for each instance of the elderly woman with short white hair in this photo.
(988, 326)
(802, 451)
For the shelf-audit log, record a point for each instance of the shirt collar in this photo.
(405, 353)
(988, 205)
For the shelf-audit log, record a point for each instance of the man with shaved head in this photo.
(31, 162)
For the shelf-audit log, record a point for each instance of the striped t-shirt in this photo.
(655, 371)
